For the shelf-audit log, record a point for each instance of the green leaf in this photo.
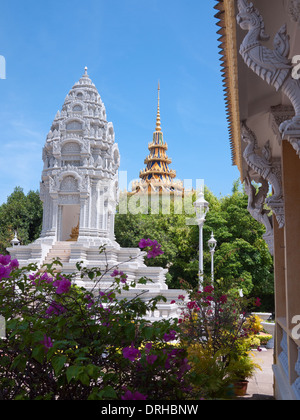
(148, 333)
(91, 275)
(72, 373)
(84, 378)
(21, 286)
(58, 363)
(38, 353)
(19, 363)
(37, 336)
(109, 392)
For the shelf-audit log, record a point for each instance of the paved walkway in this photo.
(261, 385)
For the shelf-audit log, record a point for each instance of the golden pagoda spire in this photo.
(158, 126)
(157, 177)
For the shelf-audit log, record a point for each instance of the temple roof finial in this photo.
(158, 126)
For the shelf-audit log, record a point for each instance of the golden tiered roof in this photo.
(157, 176)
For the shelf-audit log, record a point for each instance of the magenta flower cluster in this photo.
(151, 358)
(119, 274)
(154, 248)
(171, 336)
(7, 265)
(61, 284)
(47, 342)
(55, 309)
(131, 353)
(133, 396)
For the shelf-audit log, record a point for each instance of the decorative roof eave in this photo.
(228, 45)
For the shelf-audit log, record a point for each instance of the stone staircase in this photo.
(61, 250)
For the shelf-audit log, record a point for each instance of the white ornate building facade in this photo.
(262, 89)
(79, 190)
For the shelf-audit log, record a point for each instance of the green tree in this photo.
(241, 252)
(23, 213)
(172, 233)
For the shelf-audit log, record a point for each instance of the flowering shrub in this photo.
(64, 342)
(216, 331)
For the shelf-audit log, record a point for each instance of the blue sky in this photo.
(127, 45)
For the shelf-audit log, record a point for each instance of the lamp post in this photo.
(212, 244)
(201, 207)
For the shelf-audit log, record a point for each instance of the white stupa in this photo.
(79, 190)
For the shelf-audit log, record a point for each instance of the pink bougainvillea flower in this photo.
(223, 299)
(191, 305)
(115, 273)
(131, 353)
(55, 309)
(208, 289)
(137, 396)
(120, 274)
(14, 264)
(5, 259)
(257, 302)
(90, 301)
(170, 337)
(181, 297)
(144, 243)
(4, 272)
(47, 342)
(155, 248)
(62, 286)
(151, 359)
(44, 278)
(148, 347)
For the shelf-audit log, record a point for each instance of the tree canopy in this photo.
(23, 213)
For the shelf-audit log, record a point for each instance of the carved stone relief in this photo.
(69, 184)
(272, 65)
(268, 169)
(294, 10)
(256, 207)
(279, 114)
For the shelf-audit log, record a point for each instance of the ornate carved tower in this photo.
(79, 180)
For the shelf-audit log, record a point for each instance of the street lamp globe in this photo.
(212, 243)
(202, 208)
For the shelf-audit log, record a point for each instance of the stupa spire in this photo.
(157, 176)
(158, 123)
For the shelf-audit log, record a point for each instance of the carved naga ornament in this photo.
(273, 66)
(263, 165)
(256, 202)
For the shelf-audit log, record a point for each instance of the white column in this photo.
(200, 256)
